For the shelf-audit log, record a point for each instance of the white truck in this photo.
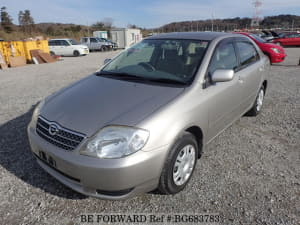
(95, 44)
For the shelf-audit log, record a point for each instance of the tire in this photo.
(256, 108)
(76, 53)
(175, 174)
(52, 53)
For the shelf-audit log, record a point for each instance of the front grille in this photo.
(62, 137)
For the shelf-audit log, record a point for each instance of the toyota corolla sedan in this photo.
(142, 121)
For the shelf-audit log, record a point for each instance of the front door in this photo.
(223, 97)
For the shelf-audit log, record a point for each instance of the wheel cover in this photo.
(260, 99)
(184, 165)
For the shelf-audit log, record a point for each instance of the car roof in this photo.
(206, 36)
(57, 39)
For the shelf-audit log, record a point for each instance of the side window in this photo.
(84, 40)
(93, 40)
(65, 43)
(247, 52)
(224, 58)
(62, 43)
(59, 43)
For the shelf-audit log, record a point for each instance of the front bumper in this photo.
(278, 57)
(104, 178)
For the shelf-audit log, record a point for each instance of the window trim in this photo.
(240, 66)
(230, 40)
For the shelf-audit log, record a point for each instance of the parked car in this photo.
(142, 121)
(67, 47)
(275, 53)
(288, 39)
(95, 44)
(267, 35)
(112, 45)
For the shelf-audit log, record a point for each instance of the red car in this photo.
(275, 52)
(288, 39)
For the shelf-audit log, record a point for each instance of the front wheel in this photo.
(76, 53)
(256, 108)
(180, 165)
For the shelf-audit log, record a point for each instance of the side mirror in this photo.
(222, 76)
(106, 61)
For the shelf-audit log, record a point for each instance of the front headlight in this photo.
(36, 113)
(276, 50)
(116, 142)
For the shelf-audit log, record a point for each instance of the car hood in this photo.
(270, 45)
(95, 102)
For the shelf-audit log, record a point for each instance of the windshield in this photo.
(73, 42)
(258, 38)
(160, 60)
(282, 35)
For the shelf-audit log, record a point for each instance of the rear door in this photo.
(249, 72)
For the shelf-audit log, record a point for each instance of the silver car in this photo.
(141, 122)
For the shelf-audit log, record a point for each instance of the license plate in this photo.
(47, 159)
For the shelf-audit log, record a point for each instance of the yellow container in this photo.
(6, 50)
(32, 45)
(17, 48)
(22, 48)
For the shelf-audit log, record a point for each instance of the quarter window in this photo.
(247, 52)
(52, 43)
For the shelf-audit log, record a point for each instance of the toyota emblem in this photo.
(53, 129)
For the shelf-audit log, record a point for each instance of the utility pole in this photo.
(87, 23)
(212, 22)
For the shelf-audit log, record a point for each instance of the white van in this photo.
(67, 47)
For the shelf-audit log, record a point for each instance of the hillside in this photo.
(285, 22)
(55, 30)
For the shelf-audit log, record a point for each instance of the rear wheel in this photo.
(256, 108)
(180, 165)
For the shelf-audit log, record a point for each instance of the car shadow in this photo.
(281, 65)
(16, 158)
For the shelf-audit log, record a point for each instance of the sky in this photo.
(143, 13)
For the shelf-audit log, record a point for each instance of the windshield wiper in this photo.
(127, 76)
(119, 75)
(167, 81)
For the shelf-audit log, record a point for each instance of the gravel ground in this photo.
(250, 174)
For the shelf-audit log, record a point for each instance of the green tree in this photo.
(26, 21)
(6, 20)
